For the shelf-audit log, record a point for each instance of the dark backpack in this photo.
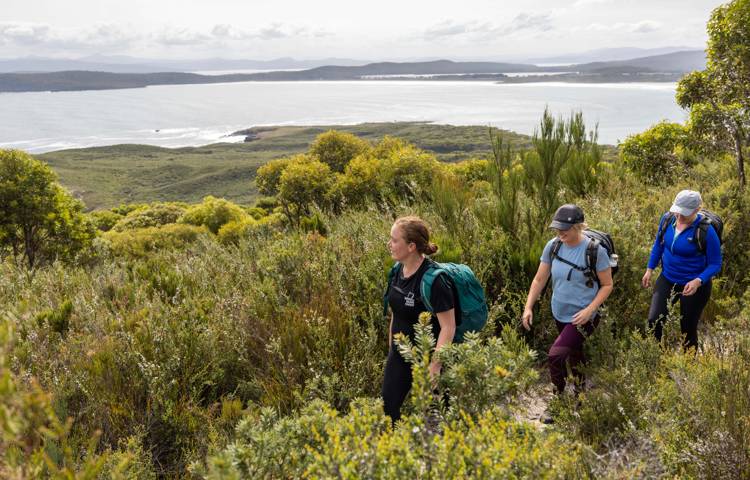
(471, 309)
(592, 253)
(708, 218)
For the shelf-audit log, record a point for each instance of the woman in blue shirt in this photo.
(578, 290)
(687, 267)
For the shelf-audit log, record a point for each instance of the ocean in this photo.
(190, 115)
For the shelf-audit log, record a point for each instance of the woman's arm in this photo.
(713, 263)
(535, 291)
(390, 333)
(656, 252)
(447, 321)
(713, 256)
(605, 288)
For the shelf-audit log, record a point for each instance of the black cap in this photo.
(566, 216)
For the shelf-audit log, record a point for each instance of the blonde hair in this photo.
(415, 231)
(580, 227)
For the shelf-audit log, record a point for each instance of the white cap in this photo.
(686, 202)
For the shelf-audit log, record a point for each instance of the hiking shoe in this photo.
(547, 418)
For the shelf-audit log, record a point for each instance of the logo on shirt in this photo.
(409, 299)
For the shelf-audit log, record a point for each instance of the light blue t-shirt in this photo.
(571, 296)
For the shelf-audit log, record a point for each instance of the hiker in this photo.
(578, 289)
(689, 249)
(410, 245)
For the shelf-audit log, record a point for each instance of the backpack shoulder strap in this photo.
(592, 254)
(391, 275)
(428, 279)
(701, 232)
(592, 257)
(666, 220)
(555, 250)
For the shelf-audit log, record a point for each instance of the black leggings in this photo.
(396, 383)
(691, 308)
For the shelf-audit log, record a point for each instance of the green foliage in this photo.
(152, 215)
(452, 203)
(36, 443)
(361, 184)
(409, 173)
(470, 171)
(213, 213)
(480, 375)
(104, 220)
(233, 232)
(718, 96)
(144, 242)
(336, 149)
(39, 220)
(268, 176)
(321, 443)
(57, 319)
(659, 154)
(302, 186)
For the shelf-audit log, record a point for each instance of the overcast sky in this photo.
(387, 29)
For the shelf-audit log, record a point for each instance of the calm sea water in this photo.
(185, 115)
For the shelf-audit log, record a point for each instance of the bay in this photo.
(190, 115)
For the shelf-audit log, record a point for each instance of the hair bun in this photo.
(431, 249)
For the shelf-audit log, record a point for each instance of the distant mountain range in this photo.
(605, 55)
(667, 67)
(125, 64)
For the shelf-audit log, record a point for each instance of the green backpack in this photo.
(469, 294)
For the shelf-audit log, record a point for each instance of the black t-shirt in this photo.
(404, 298)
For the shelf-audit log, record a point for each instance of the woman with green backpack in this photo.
(581, 280)
(410, 247)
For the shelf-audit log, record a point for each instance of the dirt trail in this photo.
(534, 403)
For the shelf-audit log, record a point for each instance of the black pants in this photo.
(691, 308)
(396, 383)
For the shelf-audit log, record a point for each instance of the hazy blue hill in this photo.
(672, 63)
(126, 64)
(607, 55)
(677, 62)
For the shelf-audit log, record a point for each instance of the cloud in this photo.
(181, 36)
(22, 33)
(645, 26)
(539, 22)
(586, 3)
(42, 35)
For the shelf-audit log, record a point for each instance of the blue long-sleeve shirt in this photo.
(680, 257)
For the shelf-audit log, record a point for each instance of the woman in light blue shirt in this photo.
(578, 290)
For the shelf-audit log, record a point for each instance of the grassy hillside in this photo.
(107, 176)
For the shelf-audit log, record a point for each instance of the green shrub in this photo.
(40, 221)
(659, 154)
(213, 213)
(302, 186)
(152, 215)
(233, 232)
(104, 220)
(337, 149)
(146, 241)
(268, 176)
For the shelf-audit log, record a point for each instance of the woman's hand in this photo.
(692, 286)
(646, 280)
(526, 318)
(583, 316)
(435, 368)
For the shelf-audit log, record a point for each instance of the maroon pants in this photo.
(568, 350)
